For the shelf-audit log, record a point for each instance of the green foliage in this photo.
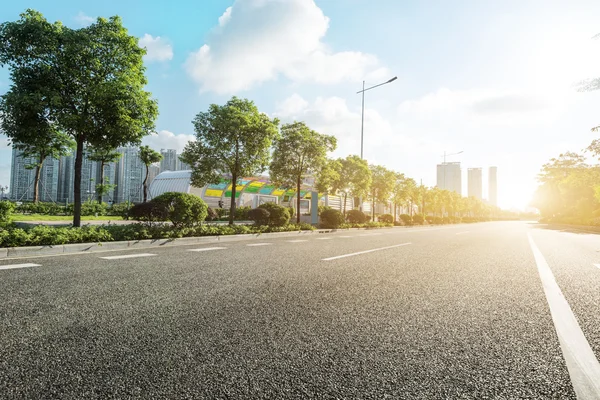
(418, 219)
(241, 213)
(41, 208)
(298, 152)
(88, 82)
(383, 181)
(260, 216)
(90, 208)
(120, 209)
(321, 209)
(149, 212)
(103, 155)
(406, 219)
(182, 209)
(234, 139)
(386, 218)
(6, 210)
(278, 215)
(332, 219)
(356, 217)
(148, 157)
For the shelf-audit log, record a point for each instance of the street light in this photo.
(362, 118)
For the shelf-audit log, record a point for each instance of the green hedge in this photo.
(42, 235)
(6, 210)
(331, 219)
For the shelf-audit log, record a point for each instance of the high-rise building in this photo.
(22, 178)
(110, 170)
(130, 174)
(449, 177)
(181, 166)
(475, 183)
(169, 161)
(89, 178)
(493, 186)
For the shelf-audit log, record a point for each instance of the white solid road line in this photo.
(128, 256)
(369, 234)
(259, 244)
(345, 237)
(324, 238)
(15, 266)
(364, 252)
(584, 368)
(460, 233)
(297, 241)
(597, 265)
(208, 249)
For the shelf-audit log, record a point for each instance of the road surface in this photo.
(500, 310)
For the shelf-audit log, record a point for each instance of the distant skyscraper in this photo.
(449, 177)
(493, 186)
(475, 183)
(22, 179)
(169, 161)
(89, 178)
(110, 174)
(130, 174)
(181, 166)
(153, 171)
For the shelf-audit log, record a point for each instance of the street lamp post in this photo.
(362, 117)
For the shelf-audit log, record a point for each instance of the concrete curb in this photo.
(585, 228)
(81, 248)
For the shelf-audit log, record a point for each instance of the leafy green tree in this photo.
(91, 81)
(148, 157)
(355, 177)
(232, 139)
(400, 194)
(382, 185)
(104, 155)
(299, 152)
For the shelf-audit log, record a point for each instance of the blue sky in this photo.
(494, 79)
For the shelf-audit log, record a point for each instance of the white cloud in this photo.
(83, 19)
(261, 40)
(223, 19)
(168, 140)
(157, 48)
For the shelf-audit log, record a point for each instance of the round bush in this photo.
(147, 212)
(182, 209)
(407, 219)
(278, 215)
(331, 219)
(418, 219)
(386, 218)
(260, 216)
(6, 210)
(356, 217)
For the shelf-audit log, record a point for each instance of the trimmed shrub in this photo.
(331, 219)
(386, 218)
(120, 209)
(278, 215)
(6, 210)
(356, 217)
(182, 209)
(41, 208)
(418, 219)
(406, 219)
(89, 208)
(241, 213)
(260, 216)
(147, 212)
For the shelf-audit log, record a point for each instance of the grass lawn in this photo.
(42, 217)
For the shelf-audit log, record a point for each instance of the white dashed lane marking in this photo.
(297, 241)
(128, 256)
(15, 266)
(208, 249)
(364, 252)
(258, 244)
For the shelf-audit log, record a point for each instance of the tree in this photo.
(148, 157)
(29, 126)
(104, 155)
(400, 193)
(355, 177)
(382, 185)
(299, 152)
(232, 139)
(91, 81)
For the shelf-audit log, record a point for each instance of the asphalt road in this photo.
(457, 312)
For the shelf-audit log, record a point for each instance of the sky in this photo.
(495, 80)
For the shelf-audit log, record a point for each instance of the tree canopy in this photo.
(90, 80)
(232, 139)
(148, 157)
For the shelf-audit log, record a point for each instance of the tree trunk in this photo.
(100, 188)
(233, 190)
(373, 208)
(77, 182)
(298, 201)
(36, 181)
(345, 198)
(145, 184)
